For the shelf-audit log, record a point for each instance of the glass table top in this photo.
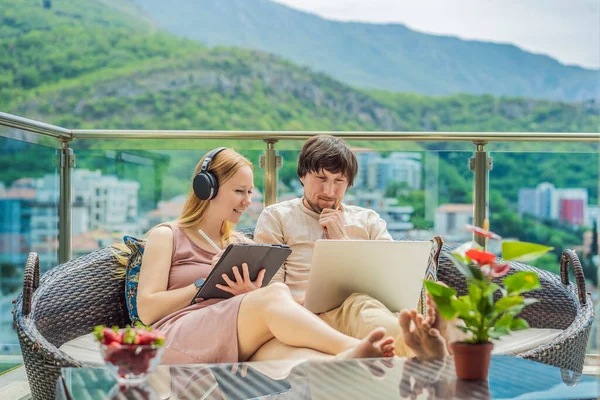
(509, 378)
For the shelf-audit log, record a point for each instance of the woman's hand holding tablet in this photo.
(242, 283)
(259, 263)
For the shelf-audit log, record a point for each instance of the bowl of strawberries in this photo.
(130, 354)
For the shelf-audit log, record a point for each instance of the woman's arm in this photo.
(153, 299)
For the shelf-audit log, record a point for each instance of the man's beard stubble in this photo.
(316, 208)
(313, 206)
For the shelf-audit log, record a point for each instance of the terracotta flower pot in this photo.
(472, 361)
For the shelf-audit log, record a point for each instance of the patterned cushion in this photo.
(132, 274)
(431, 271)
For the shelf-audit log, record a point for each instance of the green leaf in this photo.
(441, 297)
(444, 307)
(506, 303)
(520, 282)
(523, 251)
(474, 293)
(435, 289)
(461, 264)
(476, 272)
(491, 289)
(497, 333)
(461, 307)
(504, 322)
(518, 324)
(99, 332)
(465, 329)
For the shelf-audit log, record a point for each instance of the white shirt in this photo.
(292, 223)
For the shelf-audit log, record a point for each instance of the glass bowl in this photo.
(131, 364)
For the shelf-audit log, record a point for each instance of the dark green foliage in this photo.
(93, 65)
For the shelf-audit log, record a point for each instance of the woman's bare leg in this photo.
(275, 350)
(271, 312)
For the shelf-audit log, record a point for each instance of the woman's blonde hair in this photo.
(223, 166)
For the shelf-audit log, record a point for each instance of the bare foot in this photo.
(435, 319)
(448, 329)
(425, 341)
(373, 346)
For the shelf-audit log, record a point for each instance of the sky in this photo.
(567, 30)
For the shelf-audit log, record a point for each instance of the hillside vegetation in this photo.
(105, 65)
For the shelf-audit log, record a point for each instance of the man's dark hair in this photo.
(328, 153)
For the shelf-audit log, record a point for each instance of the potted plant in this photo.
(486, 317)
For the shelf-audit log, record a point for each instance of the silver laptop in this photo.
(389, 271)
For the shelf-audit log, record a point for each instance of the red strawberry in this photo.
(115, 345)
(145, 337)
(110, 336)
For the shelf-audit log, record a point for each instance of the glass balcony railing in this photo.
(538, 187)
(29, 197)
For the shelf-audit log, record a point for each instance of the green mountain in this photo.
(93, 65)
(390, 57)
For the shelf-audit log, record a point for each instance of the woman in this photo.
(231, 330)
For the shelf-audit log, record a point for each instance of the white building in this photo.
(364, 157)
(546, 202)
(450, 221)
(111, 204)
(593, 214)
(396, 217)
(377, 173)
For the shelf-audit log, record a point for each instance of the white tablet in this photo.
(389, 271)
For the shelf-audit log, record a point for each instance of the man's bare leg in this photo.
(271, 312)
(360, 314)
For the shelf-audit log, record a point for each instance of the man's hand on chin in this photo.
(332, 222)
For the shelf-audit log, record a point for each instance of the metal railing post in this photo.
(480, 164)
(65, 210)
(270, 162)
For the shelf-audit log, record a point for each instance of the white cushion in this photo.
(85, 349)
(524, 340)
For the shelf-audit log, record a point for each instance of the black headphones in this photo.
(205, 183)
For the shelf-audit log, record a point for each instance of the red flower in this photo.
(495, 270)
(481, 257)
(482, 232)
(500, 270)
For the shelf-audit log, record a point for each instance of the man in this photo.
(327, 168)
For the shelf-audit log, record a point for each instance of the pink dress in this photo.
(205, 332)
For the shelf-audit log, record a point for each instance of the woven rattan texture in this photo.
(70, 300)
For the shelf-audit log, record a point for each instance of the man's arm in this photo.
(269, 231)
(377, 227)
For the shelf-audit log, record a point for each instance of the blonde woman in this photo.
(177, 256)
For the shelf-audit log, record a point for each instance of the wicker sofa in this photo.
(69, 300)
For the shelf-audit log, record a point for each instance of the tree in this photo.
(10, 278)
